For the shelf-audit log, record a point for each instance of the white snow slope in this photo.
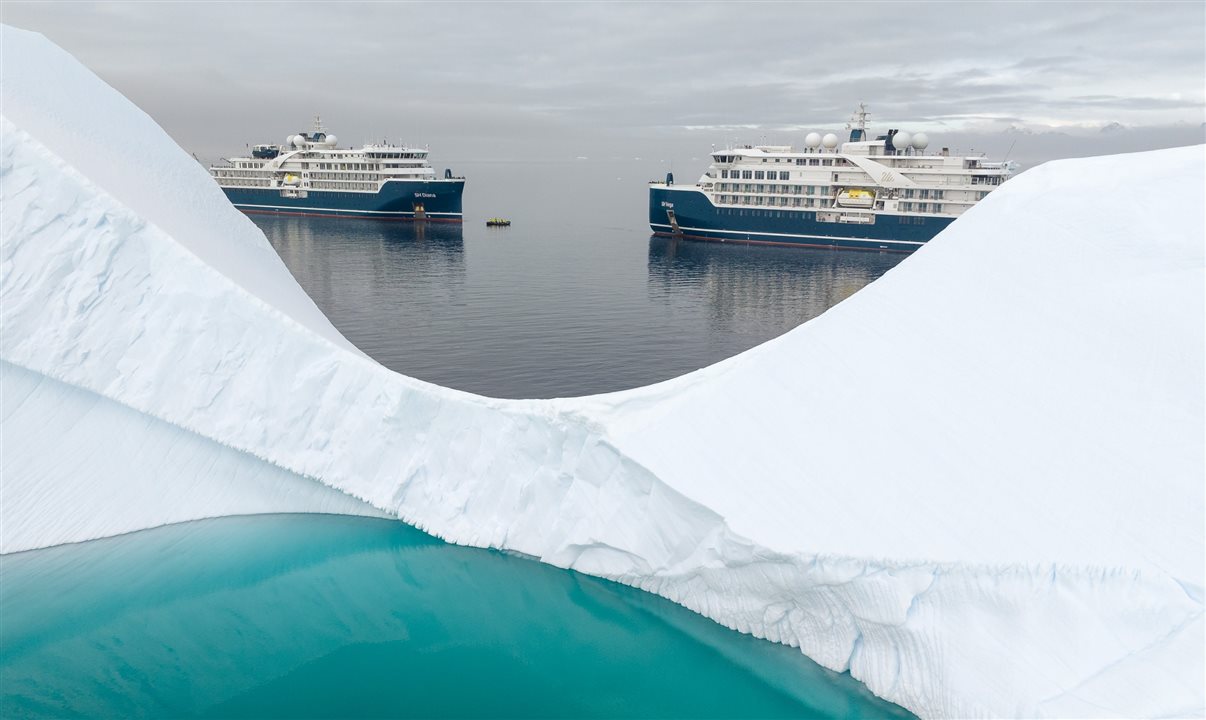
(977, 484)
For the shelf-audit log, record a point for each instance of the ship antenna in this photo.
(318, 124)
(1010, 150)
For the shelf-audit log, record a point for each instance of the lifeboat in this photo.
(291, 179)
(856, 198)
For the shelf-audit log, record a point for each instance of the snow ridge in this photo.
(939, 577)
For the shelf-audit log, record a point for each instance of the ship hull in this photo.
(697, 218)
(432, 200)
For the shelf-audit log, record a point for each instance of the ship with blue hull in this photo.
(884, 193)
(310, 175)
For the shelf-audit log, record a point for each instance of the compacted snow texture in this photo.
(977, 484)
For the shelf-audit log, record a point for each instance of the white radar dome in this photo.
(902, 140)
(830, 140)
(299, 140)
(812, 140)
(331, 140)
(289, 140)
(921, 140)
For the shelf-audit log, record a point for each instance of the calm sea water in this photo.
(324, 616)
(315, 616)
(574, 298)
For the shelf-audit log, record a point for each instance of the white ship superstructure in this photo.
(887, 192)
(310, 175)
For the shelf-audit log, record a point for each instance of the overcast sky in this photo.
(560, 80)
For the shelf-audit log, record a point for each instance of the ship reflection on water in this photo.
(312, 247)
(375, 280)
(737, 295)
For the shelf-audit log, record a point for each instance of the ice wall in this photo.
(1031, 387)
(78, 466)
(111, 141)
(977, 484)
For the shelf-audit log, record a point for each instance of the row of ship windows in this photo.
(320, 185)
(782, 189)
(812, 202)
(779, 174)
(755, 174)
(819, 216)
(362, 166)
(920, 207)
(772, 201)
(228, 174)
(784, 175)
(921, 194)
(396, 155)
(358, 176)
(763, 213)
(812, 162)
(345, 167)
(804, 216)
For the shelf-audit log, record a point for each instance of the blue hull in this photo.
(699, 219)
(438, 200)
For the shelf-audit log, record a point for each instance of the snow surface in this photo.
(977, 484)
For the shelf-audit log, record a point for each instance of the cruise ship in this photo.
(885, 193)
(310, 175)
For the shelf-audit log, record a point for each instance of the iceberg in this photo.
(977, 484)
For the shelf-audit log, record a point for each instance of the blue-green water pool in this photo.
(325, 616)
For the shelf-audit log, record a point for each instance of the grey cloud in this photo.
(499, 80)
(1046, 63)
(1146, 103)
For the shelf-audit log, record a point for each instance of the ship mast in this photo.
(858, 124)
(861, 117)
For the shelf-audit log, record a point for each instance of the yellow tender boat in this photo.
(856, 197)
